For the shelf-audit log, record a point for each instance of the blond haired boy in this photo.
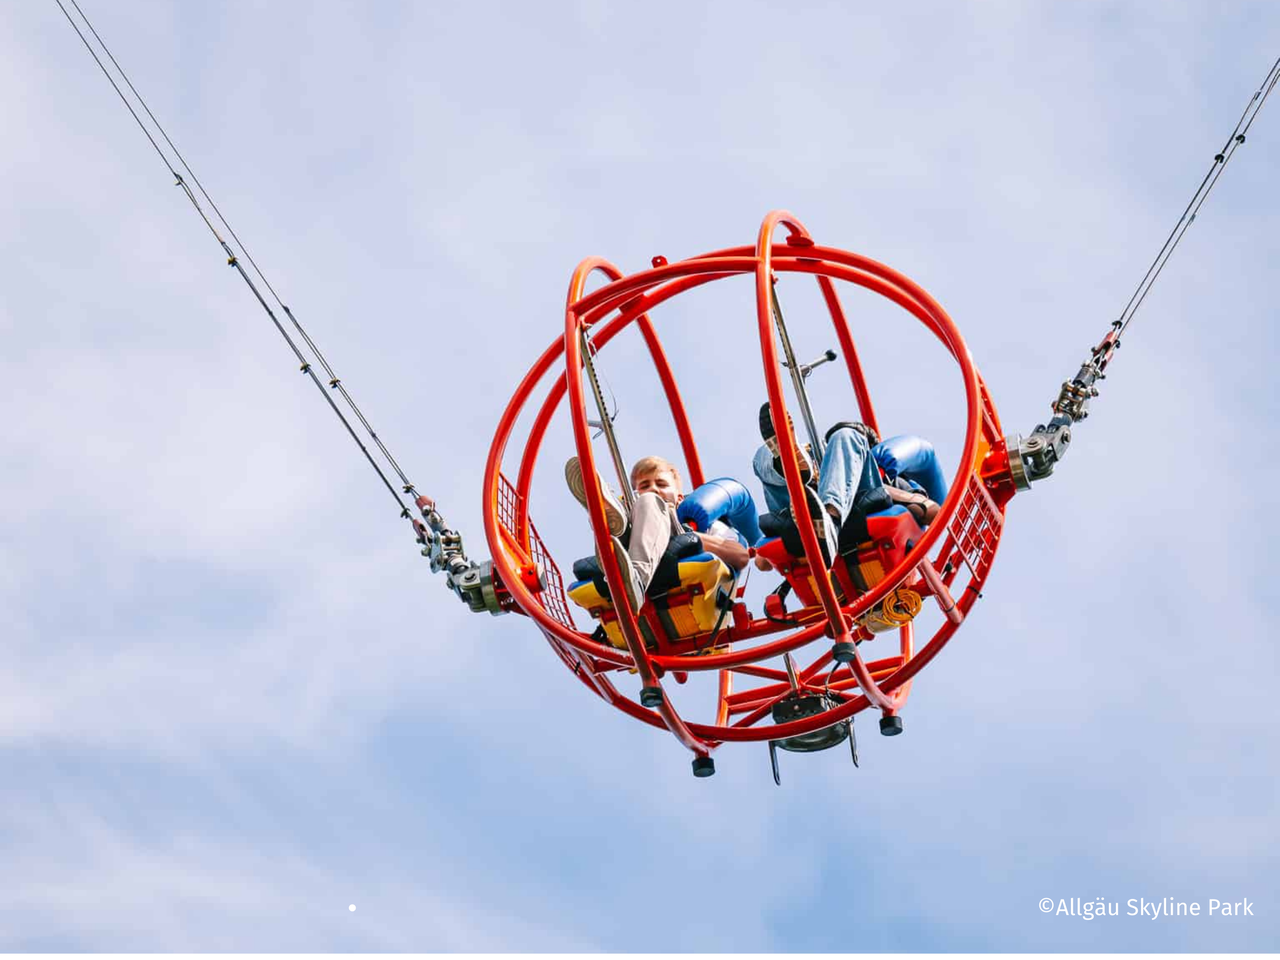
(653, 522)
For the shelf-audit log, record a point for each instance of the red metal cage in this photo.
(950, 562)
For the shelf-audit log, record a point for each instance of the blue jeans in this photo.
(848, 470)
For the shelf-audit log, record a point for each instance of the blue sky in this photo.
(234, 701)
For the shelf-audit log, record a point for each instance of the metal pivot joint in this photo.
(476, 584)
(1034, 457)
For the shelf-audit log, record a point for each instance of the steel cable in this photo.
(1220, 161)
(233, 259)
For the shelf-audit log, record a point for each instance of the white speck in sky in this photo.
(352, 908)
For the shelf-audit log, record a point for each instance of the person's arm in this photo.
(928, 510)
(730, 551)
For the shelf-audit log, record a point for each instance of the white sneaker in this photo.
(615, 510)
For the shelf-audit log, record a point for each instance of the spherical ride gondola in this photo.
(947, 563)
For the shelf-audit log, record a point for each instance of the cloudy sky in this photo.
(233, 699)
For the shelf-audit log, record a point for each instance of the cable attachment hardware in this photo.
(476, 584)
(1019, 463)
(1034, 458)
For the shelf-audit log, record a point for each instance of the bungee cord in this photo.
(1220, 161)
(234, 260)
(1035, 457)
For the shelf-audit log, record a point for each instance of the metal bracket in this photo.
(797, 375)
(797, 705)
(476, 584)
(1034, 458)
(807, 368)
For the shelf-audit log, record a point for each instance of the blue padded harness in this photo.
(722, 499)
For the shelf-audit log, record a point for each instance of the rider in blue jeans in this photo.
(848, 473)
(848, 470)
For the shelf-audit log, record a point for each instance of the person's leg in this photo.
(653, 524)
(848, 469)
(615, 510)
(769, 469)
(776, 497)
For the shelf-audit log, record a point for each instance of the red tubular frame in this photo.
(967, 529)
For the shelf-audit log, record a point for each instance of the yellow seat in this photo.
(684, 612)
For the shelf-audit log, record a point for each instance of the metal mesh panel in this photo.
(974, 531)
(552, 597)
(989, 414)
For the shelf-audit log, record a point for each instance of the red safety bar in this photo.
(950, 562)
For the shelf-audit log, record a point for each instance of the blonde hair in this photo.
(646, 466)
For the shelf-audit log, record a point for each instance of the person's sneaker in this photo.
(630, 579)
(770, 437)
(615, 510)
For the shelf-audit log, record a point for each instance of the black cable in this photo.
(334, 381)
(1220, 161)
(232, 258)
(111, 80)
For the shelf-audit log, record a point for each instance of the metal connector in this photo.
(476, 584)
(1034, 458)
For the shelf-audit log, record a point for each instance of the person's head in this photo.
(656, 475)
